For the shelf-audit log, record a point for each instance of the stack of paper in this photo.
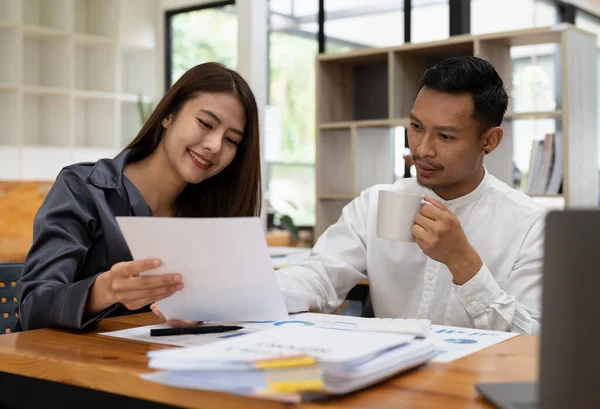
(291, 362)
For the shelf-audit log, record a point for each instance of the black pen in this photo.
(193, 330)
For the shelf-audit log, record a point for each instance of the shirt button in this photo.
(430, 277)
(469, 300)
(420, 316)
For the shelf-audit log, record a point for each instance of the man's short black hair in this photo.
(476, 76)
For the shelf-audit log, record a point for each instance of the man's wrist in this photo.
(465, 266)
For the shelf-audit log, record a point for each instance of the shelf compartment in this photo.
(9, 117)
(335, 159)
(374, 161)
(46, 60)
(524, 132)
(9, 50)
(46, 119)
(54, 14)
(328, 212)
(95, 67)
(10, 11)
(138, 75)
(131, 122)
(353, 89)
(95, 123)
(97, 17)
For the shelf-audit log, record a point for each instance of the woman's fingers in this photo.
(148, 296)
(146, 282)
(173, 323)
(182, 324)
(156, 311)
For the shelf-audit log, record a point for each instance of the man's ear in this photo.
(491, 139)
(167, 121)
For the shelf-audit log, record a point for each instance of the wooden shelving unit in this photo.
(70, 75)
(363, 95)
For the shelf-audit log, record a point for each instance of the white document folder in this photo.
(225, 264)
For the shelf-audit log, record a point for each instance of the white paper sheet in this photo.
(188, 340)
(455, 342)
(450, 342)
(331, 321)
(226, 268)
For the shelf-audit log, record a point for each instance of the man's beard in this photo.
(426, 185)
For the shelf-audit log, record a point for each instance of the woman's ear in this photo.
(166, 121)
(492, 139)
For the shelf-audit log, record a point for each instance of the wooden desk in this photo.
(81, 365)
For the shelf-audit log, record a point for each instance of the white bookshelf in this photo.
(71, 72)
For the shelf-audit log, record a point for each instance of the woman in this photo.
(196, 156)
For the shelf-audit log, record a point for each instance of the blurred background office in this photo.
(79, 77)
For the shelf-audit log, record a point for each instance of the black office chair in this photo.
(9, 305)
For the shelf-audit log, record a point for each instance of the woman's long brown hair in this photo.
(236, 190)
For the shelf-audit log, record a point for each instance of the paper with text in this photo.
(455, 342)
(333, 346)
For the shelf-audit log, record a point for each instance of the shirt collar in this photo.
(469, 198)
(108, 174)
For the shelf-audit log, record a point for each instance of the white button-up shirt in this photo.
(504, 226)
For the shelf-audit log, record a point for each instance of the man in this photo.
(477, 260)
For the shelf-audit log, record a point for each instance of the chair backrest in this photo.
(9, 311)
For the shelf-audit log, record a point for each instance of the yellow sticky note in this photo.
(286, 362)
(306, 385)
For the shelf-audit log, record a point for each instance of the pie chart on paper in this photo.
(306, 323)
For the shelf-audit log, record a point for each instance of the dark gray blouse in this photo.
(75, 238)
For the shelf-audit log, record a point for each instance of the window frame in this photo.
(169, 14)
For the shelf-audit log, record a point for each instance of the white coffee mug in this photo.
(396, 213)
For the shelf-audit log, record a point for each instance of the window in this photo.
(354, 24)
(489, 16)
(290, 117)
(203, 34)
(591, 23)
(430, 20)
